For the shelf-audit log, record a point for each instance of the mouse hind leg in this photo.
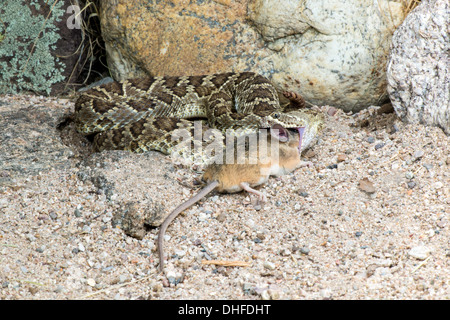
(261, 196)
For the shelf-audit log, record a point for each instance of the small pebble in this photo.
(418, 154)
(271, 294)
(438, 185)
(358, 234)
(40, 249)
(265, 295)
(247, 287)
(118, 297)
(82, 176)
(250, 223)
(332, 111)
(269, 265)
(341, 157)
(124, 278)
(394, 129)
(326, 293)
(421, 287)
(304, 250)
(180, 253)
(174, 278)
(311, 154)
(409, 175)
(419, 252)
(342, 135)
(367, 186)
(332, 166)
(370, 139)
(261, 235)
(202, 217)
(379, 146)
(222, 217)
(91, 282)
(81, 247)
(77, 213)
(59, 289)
(411, 184)
(33, 290)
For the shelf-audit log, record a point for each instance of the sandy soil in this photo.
(370, 220)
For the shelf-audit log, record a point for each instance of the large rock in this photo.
(39, 46)
(37, 137)
(29, 139)
(330, 51)
(418, 69)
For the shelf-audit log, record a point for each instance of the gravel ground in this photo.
(370, 220)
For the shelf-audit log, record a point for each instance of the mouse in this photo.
(279, 156)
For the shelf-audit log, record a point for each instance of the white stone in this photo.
(269, 265)
(340, 57)
(330, 51)
(418, 69)
(81, 247)
(91, 282)
(419, 252)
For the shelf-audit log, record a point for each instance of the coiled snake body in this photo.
(142, 114)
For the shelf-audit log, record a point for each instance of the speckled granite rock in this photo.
(418, 70)
(332, 52)
(37, 139)
(29, 139)
(138, 185)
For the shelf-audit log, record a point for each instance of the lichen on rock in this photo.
(25, 46)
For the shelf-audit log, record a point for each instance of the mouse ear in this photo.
(278, 132)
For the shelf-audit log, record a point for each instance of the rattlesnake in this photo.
(143, 114)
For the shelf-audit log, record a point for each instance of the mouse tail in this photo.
(210, 187)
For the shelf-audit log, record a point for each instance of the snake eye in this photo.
(276, 115)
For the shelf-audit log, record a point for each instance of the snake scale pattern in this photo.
(142, 114)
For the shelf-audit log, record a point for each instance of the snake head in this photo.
(312, 122)
(287, 120)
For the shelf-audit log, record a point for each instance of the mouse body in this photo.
(249, 169)
(279, 156)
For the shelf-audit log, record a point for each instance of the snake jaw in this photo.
(308, 123)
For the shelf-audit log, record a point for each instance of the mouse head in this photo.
(282, 134)
(279, 132)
